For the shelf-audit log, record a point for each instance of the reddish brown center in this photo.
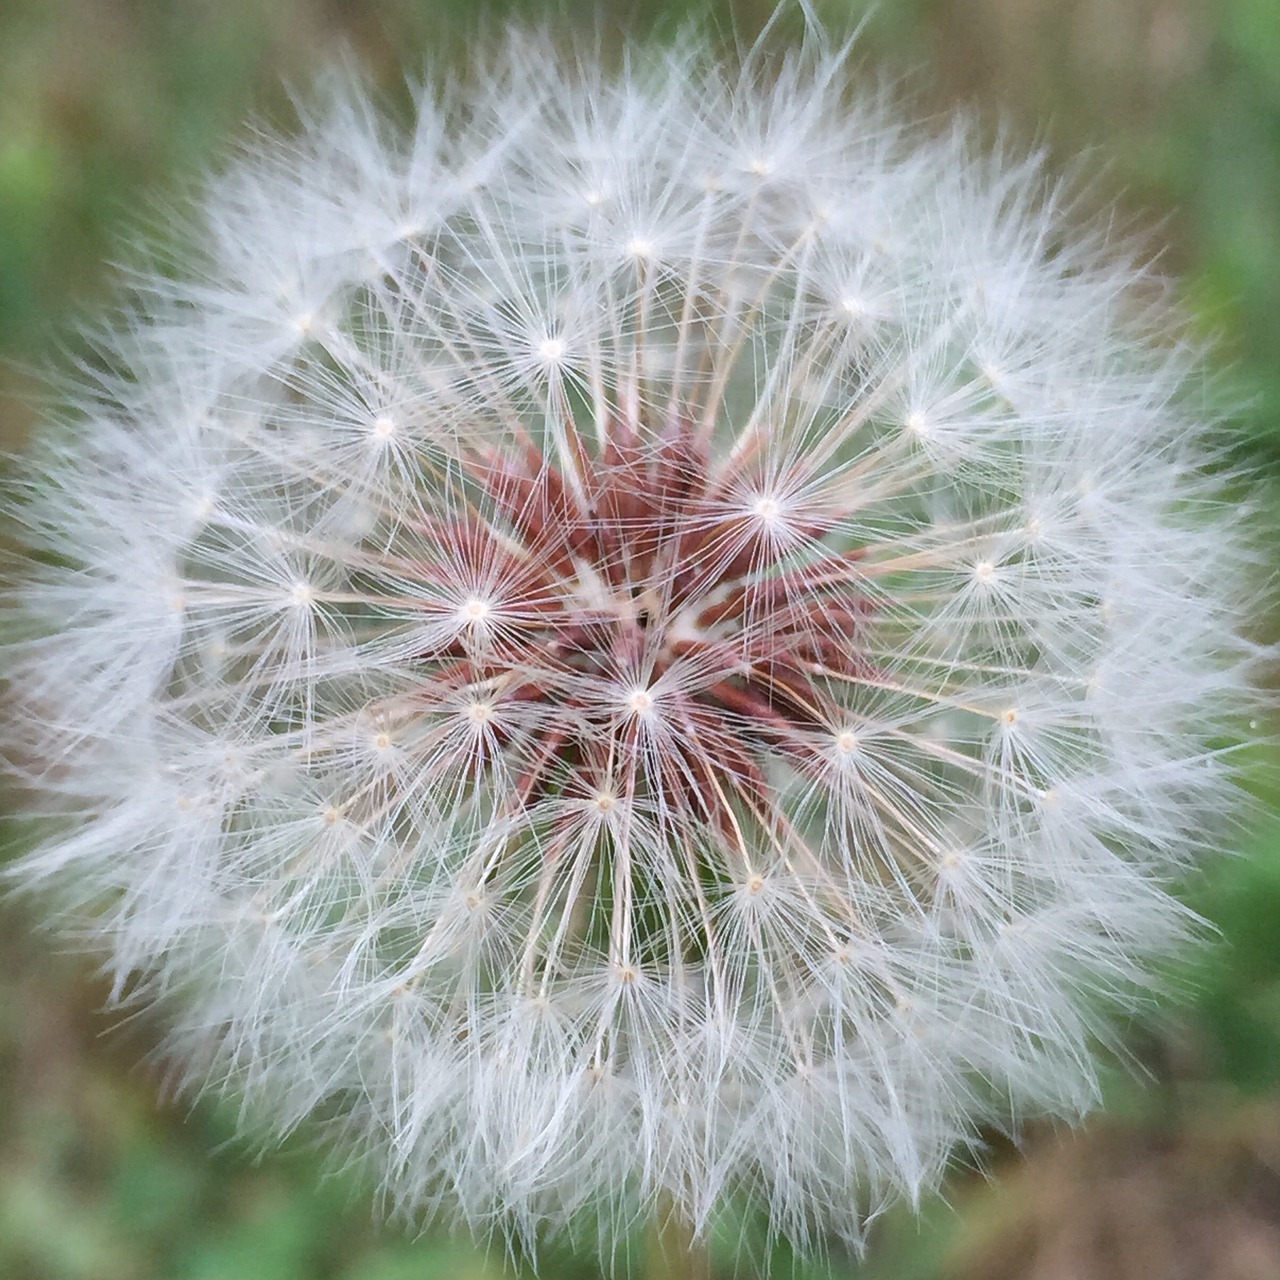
(641, 567)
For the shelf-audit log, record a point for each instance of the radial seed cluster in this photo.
(651, 635)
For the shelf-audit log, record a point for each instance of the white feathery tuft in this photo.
(653, 636)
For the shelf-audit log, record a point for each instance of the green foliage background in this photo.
(108, 107)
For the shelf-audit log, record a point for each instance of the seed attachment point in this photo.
(640, 702)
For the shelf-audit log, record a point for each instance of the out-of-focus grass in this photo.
(108, 107)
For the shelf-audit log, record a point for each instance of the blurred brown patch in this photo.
(1133, 1201)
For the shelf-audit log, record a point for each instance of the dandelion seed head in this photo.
(681, 669)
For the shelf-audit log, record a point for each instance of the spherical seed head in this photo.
(708, 744)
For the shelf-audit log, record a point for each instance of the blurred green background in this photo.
(109, 107)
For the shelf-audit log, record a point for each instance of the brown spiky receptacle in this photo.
(653, 573)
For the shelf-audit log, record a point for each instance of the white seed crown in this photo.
(649, 635)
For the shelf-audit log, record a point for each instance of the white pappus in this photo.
(654, 634)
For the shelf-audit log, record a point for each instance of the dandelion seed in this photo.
(640, 701)
(474, 612)
(602, 728)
